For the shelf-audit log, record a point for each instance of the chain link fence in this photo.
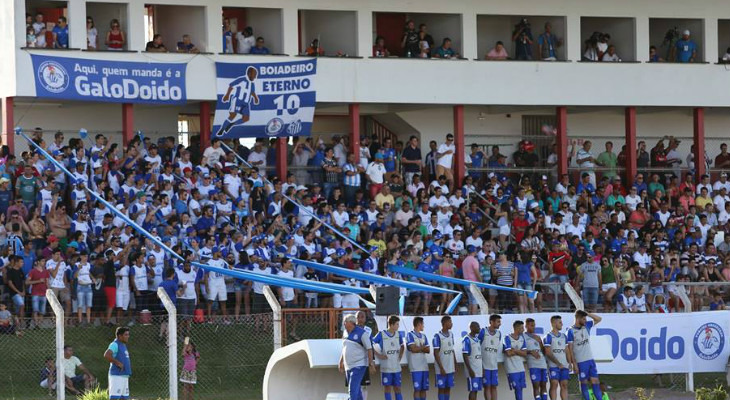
(24, 350)
(233, 354)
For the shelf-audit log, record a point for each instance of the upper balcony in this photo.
(352, 67)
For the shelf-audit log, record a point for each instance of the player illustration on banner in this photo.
(240, 94)
(265, 99)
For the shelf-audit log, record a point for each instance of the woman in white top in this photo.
(92, 35)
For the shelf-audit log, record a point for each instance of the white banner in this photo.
(640, 343)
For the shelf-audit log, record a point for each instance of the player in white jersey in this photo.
(444, 358)
(491, 342)
(241, 92)
(559, 358)
(536, 362)
(388, 346)
(472, 353)
(216, 284)
(418, 349)
(580, 345)
(515, 351)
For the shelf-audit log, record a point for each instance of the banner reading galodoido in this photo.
(640, 343)
(109, 81)
(265, 99)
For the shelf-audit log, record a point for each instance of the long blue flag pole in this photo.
(301, 207)
(277, 281)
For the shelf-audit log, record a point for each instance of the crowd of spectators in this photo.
(625, 245)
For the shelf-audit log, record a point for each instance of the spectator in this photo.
(610, 55)
(608, 161)
(722, 160)
(686, 48)
(410, 40)
(156, 45)
(186, 45)
(422, 28)
(314, 49)
(60, 34)
(586, 161)
(653, 55)
(92, 35)
(444, 159)
(245, 41)
(522, 36)
(8, 323)
(38, 23)
(547, 44)
(589, 278)
(445, 51)
(115, 38)
(591, 53)
(227, 37)
(40, 39)
(411, 160)
(38, 280)
(48, 376)
(259, 48)
(76, 384)
(498, 52)
(379, 49)
(726, 57)
(424, 48)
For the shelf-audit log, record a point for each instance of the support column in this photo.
(77, 24)
(459, 166)
(561, 138)
(631, 156)
(354, 109)
(127, 123)
(8, 128)
(281, 157)
(699, 142)
(204, 125)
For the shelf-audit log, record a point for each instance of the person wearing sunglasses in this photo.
(60, 34)
(115, 37)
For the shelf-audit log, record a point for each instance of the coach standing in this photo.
(120, 368)
(357, 355)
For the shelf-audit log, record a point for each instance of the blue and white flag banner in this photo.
(109, 81)
(639, 343)
(273, 99)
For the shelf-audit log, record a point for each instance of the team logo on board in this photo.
(53, 77)
(709, 340)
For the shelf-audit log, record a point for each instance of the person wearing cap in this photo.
(686, 49)
(375, 174)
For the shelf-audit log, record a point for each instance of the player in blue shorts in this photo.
(515, 351)
(418, 349)
(241, 92)
(472, 352)
(536, 361)
(388, 347)
(491, 341)
(579, 337)
(558, 357)
(444, 357)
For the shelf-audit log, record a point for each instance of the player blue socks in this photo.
(518, 393)
(447, 396)
(584, 390)
(398, 396)
(544, 396)
(387, 396)
(440, 397)
(597, 391)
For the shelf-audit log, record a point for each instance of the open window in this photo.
(45, 15)
(328, 33)
(603, 32)
(262, 23)
(492, 29)
(392, 26)
(665, 33)
(182, 27)
(102, 17)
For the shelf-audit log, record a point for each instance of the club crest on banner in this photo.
(53, 77)
(709, 341)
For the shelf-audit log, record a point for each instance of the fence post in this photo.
(689, 378)
(171, 340)
(483, 304)
(276, 309)
(60, 319)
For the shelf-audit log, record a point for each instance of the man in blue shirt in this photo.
(476, 159)
(60, 34)
(686, 48)
(120, 367)
(259, 48)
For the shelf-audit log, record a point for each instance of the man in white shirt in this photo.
(214, 153)
(245, 41)
(586, 161)
(257, 157)
(632, 199)
(375, 174)
(576, 228)
(642, 257)
(445, 159)
(722, 183)
(721, 197)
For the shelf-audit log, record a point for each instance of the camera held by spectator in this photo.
(524, 27)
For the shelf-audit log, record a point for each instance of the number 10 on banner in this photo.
(289, 102)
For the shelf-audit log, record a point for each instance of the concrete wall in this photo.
(622, 31)
(337, 30)
(175, 21)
